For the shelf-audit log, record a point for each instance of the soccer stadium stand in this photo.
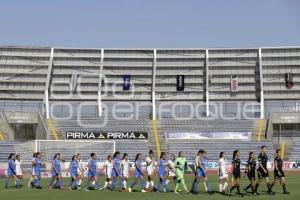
(46, 92)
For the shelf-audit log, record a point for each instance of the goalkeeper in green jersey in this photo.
(180, 165)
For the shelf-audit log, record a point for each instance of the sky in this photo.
(150, 23)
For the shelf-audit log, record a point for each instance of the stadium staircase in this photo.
(6, 133)
(55, 134)
(157, 141)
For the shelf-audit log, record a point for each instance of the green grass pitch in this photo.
(293, 186)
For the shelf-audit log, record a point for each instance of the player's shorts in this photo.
(91, 174)
(54, 173)
(277, 175)
(115, 173)
(251, 176)
(137, 174)
(37, 172)
(10, 173)
(236, 175)
(150, 171)
(200, 172)
(223, 175)
(262, 174)
(74, 174)
(171, 174)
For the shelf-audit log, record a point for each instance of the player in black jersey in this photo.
(250, 171)
(236, 172)
(262, 170)
(278, 172)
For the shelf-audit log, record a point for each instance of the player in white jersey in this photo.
(18, 163)
(108, 167)
(171, 169)
(150, 167)
(125, 171)
(80, 169)
(32, 171)
(223, 174)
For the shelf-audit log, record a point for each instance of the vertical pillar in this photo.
(100, 83)
(207, 82)
(46, 92)
(262, 108)
(153, 85)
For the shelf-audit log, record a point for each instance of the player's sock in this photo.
(105, 184)
(177, 185)
(253, 189)
(225, 186)
(29, 182)
(167, 182)
(208, 186)
(71, 183)
(142, 185)
(124, 184)
(248, 186)
(51, 182)
(59, 183)
(147, 184)
(97, 185)
(17, 183)
(165, 185)
(232, 188)
(238, 189)
(152, 184)
(195, 185)
(80, 181)
(220, 187)
(183, 184)
(256, 187)
(133, 184)
(269, 187)
(113, 184)
(284, 187)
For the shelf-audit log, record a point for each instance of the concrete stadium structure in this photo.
(55, 82)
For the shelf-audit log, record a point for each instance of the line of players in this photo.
(170, 169)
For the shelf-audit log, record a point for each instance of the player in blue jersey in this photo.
(138, 174)
(73, 169)
(37, 169)
(200, 172)
(116, 171)
(92, 183)
(162, 173)
(56, 173)
(11, 171)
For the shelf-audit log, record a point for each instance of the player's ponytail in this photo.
(234, 154)
(73, 157)
(221, 154)
(137, 156)
(162, 155)
(116, 154)
(10, 156)
(250, 155)
(124, 156)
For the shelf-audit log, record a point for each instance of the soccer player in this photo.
(180, 166)
(223, 174)
(200, 173)
(262, 170)
(116, 170)
(236, 173)
(108, 165)
(30, 182)
(37, 171)
(171, 169)
(150, 167)
(92, 173)
(162, 173)
(278, 172)
(73, 169)
(56, 173)
(11, 171)
(125, 171)
(80, 169)
(250, 171)
(19, 171)
(138, 174)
